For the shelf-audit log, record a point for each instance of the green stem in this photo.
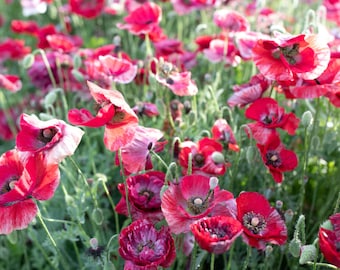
(246, 262)
(231, 252)
(193, 257)
(113, 207)
(323, 265)
(125, 183)
(48, 66)
(4, 103)
(337, 204)
(212, 261)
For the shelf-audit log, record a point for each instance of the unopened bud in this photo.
(217, 157)
(278, 204)
(269, 250)
(28, 61)
(307, 119)
(289, 214)
(94, 243)
(97, 216)
(295, 247)
(308, 253)
(213, 182)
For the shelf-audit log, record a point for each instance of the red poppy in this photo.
(143, 247)
(329, 240)
(276, 158)
(21, 180)
(43, 33)
(54, 137)
(119, 119)
(269, 116)
(143, 20)
(13, 49)
(64, 43)
(192, 199)
(262, 223)
(221, 131)
(136, 154)
(88, 9)
(24, 27)
(166, 47)
(305, 56)
(248, 92)
(216, 234)
(143, 195)
(207, 157)
(11, 83)
(230, 21)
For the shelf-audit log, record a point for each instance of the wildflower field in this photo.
(175, 134)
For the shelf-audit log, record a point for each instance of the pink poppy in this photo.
(285, 56)
(11, 83)
(248, 92)
(43, 33)
(222, 50)
(21, 180)
(143, 247)
(64, 43)
(245, 42)
(230, 21)
(261, 223)
(221, 131)
(33, 7)
(216, 234)
(119, 70)
(53, 137)
(119, 119)
(333, 10)
(192, 199)
(143, 20)
(166, 47)
(136, 154)
(329, 239)
(269, 116)
(143, 195)
(183, 7)
(207, 157)
(88, 9)
(146, 108)
(276, 158)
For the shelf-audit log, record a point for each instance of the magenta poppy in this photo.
(143, 195)
(53, 137)
(230, 21)
(119, 119)
(183, 7)
(269, 116)
(277, 158)
(329, 240)
(305, 56)
(221, 131)
(88, 9)
(216, 234)
(248, 92)
(207, 157)
(21, 180)
(11, 83)
(192, 199)
(222, 50)
(261, 223)
(143, 247)
(142, 20)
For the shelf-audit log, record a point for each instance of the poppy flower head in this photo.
(88, 9)
(216, 234)
(11, 83)
(221, 131)
(145, 247)
(261, 223)
(230, 21)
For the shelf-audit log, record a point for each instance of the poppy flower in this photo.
(216, 234)
(143, 195)
(305, 56)
(30, 8)
(222, 50)
(183, 7)
(142, 246)
(329, 240)
(276, 158)
(136, 154)
(166, 47)
(21, 180)
(64, 43)
(248, 92)
(192, 199)
(230, 21)
(13, 49)
(11, 83)
(261, 223)
(142, 20)
(332, 10)
(119, 70)
(24, 27)
(146, 108)
(207, 157)
(88, 9)
(269, 116)
(221, 131)
(53, 137)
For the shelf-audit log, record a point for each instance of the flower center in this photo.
(9, 185)
(118, 117)
(197, 205)
(148, 244)
(146, 193)
(254, 222)
(46, 135)
(273, 159)
(218, 232)
(290, 53)
(198, 160)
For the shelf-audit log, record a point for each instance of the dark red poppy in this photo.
(142, 246)
(216, 234)
(207, 157)
(329, 240)
(277, 158)
(262, 223)
(14, 49)
(22, 179)
(192, 199)
(88, 9)
(143, 195)
(24, 27)
(43, 33)
(269, 116)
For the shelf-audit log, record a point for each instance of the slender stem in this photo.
(246, 262)
(48, 67)
(193, 257)
(323, 264)
(212, 261)
(112, 205)
(337, 204)
(11, 123)
(231, 252)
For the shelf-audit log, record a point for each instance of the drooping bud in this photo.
(295, 247)
(213, 182)
(218, 157)
(308, 253)
(307, 119)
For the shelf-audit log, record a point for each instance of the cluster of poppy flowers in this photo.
(299, 66)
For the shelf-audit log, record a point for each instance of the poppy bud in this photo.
(217, 157)
(213, 182)
(50, 98)
(77, 74)
(307, 119)
(308, 253)
(250, 154)
(97, 216)
(295, 247)
(28, 61)
(76, 61)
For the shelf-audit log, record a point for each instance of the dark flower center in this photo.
(169, 81)
(148, 244)
(46, 135)
(273, 159)
(147, 193)
(9, 185)
(118, 117)
(198, 160)
(337, 246)
(290, 52)
(216, 232)
(197, 205)
(254, 222)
